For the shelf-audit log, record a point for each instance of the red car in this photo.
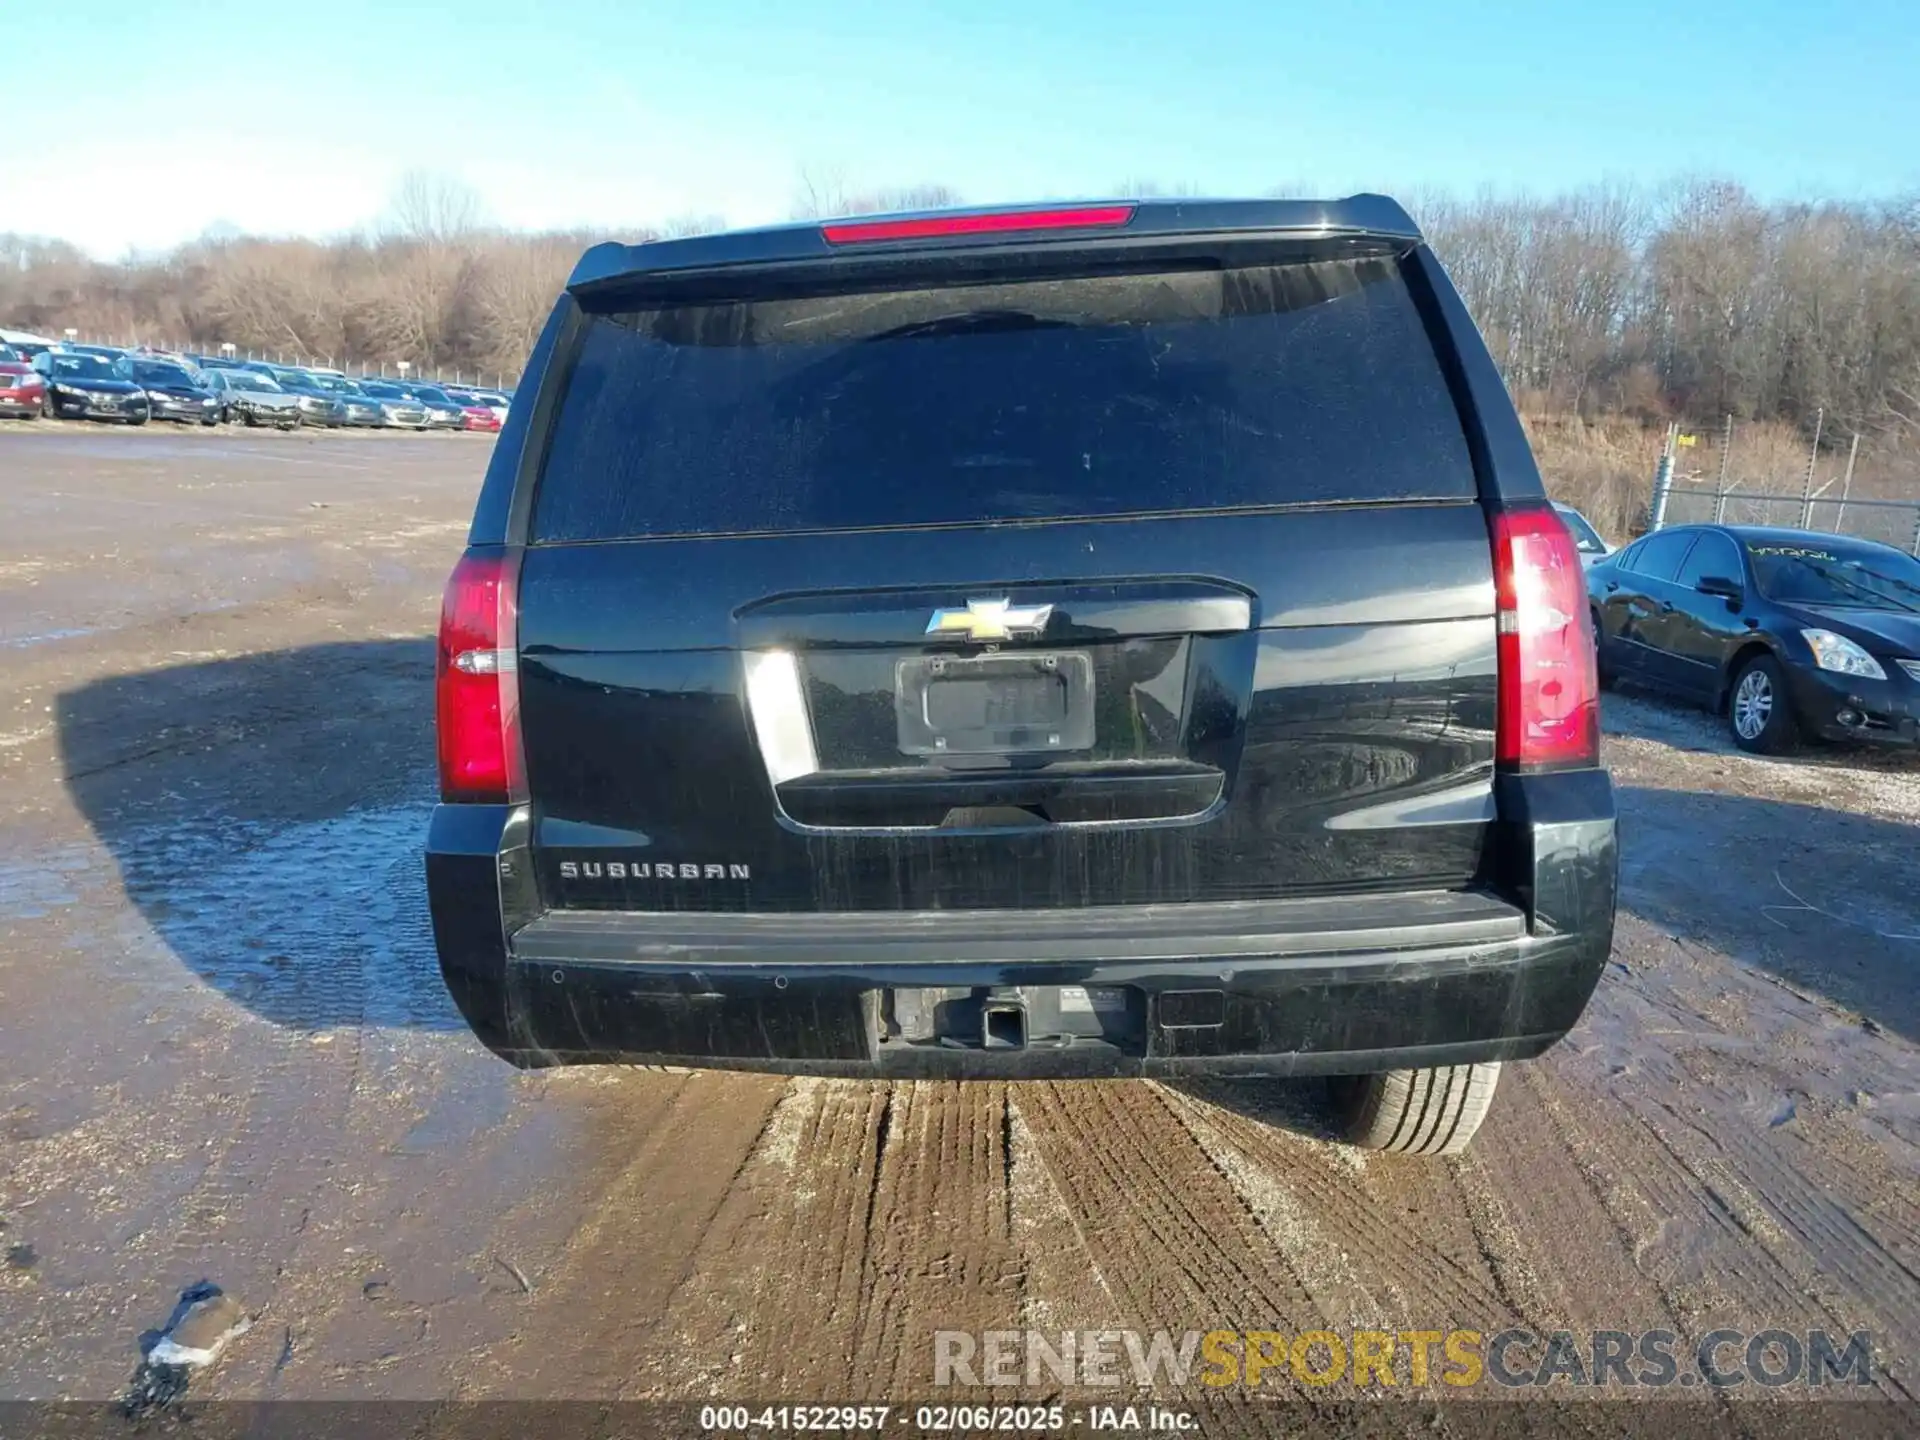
(23, 392)
(479, 417)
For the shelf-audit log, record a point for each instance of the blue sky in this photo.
(142, 125)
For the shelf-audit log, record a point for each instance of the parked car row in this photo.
(105, 382)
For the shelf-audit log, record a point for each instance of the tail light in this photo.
(477, 683)
(1549, 693)
(999, 222)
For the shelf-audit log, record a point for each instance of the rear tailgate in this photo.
(1011, 584)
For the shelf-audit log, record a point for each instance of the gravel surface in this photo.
(228, 1057)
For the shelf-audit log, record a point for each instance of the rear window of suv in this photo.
(1033, 399)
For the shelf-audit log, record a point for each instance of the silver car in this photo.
(254, 399)
(398, 409)
(1586, 539)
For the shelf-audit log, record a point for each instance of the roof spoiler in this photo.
(1357, 215)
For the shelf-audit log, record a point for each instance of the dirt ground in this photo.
(228, 1056)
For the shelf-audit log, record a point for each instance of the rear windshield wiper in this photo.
(971, 322)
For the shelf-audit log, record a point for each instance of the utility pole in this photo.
(1846, 485)
(1813, 456)
(1720, 486)
(1662, 482)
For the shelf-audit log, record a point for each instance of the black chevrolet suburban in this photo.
(1111, 640)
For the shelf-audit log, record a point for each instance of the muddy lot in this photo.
(227, 1054)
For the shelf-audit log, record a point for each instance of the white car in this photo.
(1585, 537)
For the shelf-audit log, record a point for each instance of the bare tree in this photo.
(428, 206)
(523, 279)
(1143, 189)
(1690, 301)
(681, 226)
(820, 192)
(823, 192)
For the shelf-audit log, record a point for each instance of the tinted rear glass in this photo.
(1104, 395)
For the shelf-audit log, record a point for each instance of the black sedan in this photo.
(1788, 633)
(83, 386)
(172, 391)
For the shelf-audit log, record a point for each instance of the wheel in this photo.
(136, 419)
(1420, 1112)
(1758, 711)
(209, 419)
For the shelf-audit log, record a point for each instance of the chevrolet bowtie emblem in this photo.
(991, 620)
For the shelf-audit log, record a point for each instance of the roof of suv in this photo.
(1357, 215)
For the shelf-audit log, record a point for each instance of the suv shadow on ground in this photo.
(266, 814)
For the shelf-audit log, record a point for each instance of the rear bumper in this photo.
(1292, 987)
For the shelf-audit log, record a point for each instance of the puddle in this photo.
(29, 889)
(462, 1111)
(312, 926)
(45, 637)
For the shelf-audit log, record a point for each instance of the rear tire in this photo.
(1759, 710)
(1420, 1112)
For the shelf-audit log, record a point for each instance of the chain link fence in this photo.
(1827, 505)
(1891, 522)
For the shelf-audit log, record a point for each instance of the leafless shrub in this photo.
(1688, 302)
(824, 192)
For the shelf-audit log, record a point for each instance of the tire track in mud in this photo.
(1177, 1247)
(1555, 1250)
(940, 1248)
(1377, 1238)
(1717, 1203)
(630, 1236)
(876, 1214)
(1741, 1238)
(1336, 1231)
